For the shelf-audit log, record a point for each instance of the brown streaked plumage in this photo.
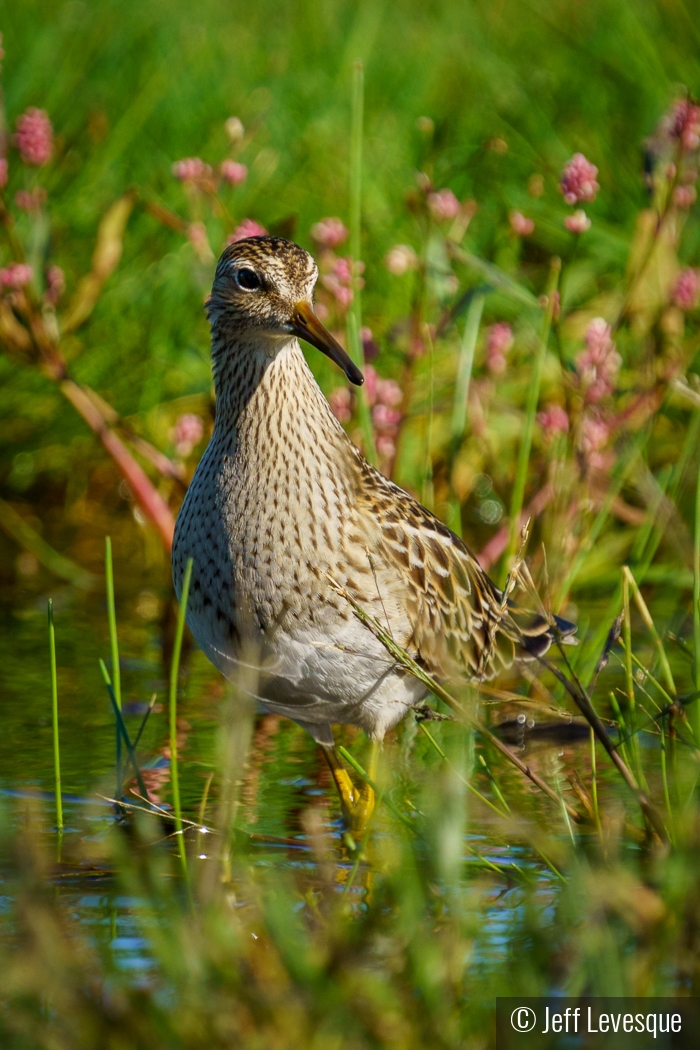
(282, 499)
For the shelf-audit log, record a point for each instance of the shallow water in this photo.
(283, 778)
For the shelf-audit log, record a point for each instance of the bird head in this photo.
(263, 288)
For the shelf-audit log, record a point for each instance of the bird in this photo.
(287, 525)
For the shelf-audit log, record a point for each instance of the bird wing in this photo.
(459, 623)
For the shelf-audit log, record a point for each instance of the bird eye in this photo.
(247, 279)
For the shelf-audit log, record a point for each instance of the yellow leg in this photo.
(357, 803)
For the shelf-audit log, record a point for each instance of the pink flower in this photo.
(340, 281)
(197, 236)
(400, 259)
(191, 169)
(55, 285)
(595, 434)
(578, 180)
(385, 446)
(683, 123)
(342, 268)
(599, 363)
(443, 205)
(30, 200)
(247, 228)
(389, 392)
(384, 417)
(687, 289)
(342, 293)
(520, 224)
(685, 196)
(330, 232)
(498, 343)
(578, 222)
(369, 347)
(187, 432)
(16, 275)
(371, 384)
(233, 172)
(340, 400)
(553, 420)
(34, 137)
(3, 172)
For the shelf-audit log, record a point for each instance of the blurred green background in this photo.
(133, 87)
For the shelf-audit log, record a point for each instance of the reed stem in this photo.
(54, 721)
(116, 681)
(112, 619)
(354, 319)
(594, 784)
(174, 672)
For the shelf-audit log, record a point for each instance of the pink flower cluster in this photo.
(400, 259)
(578, 180)
(686, 292)
(187, 433)
(597, 366)
(330, 232)
(683, 122)
(199, 239)
(247, 228)
(553, 420)
(55, 285)
(30, 200)
(685, 196)
(578, 222)
(520, 224)
(232, 172)
(443, 205)
(191, 170)
(595, 435)
(498, 344)
(34, 137)
(383, 397)
(16, 275)
(3, 172)
(340, 281)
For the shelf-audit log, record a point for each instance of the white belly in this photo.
(344, 676)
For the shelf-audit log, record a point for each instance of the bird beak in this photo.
(307, 326)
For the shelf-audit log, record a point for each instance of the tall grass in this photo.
(172, 711)
(54, 720)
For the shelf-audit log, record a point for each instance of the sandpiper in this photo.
(283, 503)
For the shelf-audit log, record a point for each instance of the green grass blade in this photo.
(354, 319)
(112, 619)
(464, 369)
(124, 734)
(54, 720)
(174, 672)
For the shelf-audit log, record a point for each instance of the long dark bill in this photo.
(308, 327)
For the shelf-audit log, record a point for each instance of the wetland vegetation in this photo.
(502, 201)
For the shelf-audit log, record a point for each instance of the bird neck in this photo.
(266, 394)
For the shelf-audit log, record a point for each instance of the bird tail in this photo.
(536, 633)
